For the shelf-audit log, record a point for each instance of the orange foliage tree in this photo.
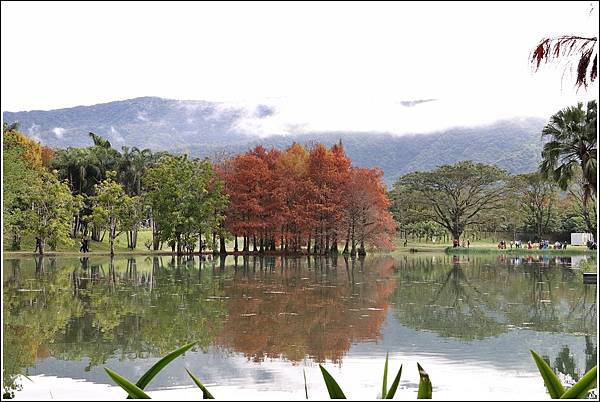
(287, 200)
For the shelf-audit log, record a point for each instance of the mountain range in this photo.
(202, 128)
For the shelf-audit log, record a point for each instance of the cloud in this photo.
(376, 114)
(59, 132)
(116, 135)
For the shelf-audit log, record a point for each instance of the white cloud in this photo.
(323, 66)
(116, 135)
(58, 132)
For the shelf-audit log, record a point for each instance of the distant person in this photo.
(86, 245)
(564, 246)
(529, 246)
(82, 247)
(405, 242)
(468, 243)
(512, 243)
(38, 245)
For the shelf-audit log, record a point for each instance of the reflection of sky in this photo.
(500, 366)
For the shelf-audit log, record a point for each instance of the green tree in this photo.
(572, 147)
(186, 200)
(51, 211)
(113, 209)
(537, 199)
(580, 205)
(459, 195)
(17, 181)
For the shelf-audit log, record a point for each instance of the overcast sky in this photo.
(323, 66)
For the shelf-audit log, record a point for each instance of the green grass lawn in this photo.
(482, 246)
(28, 245)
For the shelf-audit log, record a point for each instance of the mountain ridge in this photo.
(204, 128)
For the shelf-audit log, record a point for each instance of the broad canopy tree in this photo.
(537, 198)
(186, 201)
(113, 209)
(459, 195)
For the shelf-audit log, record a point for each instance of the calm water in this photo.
(469, 321)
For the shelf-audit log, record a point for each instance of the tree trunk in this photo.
(235, 244)
(223, 251)
(111, 236)
(155, 237)
(334, 246)
(361, 250)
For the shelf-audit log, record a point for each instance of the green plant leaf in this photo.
(205, 393)
(133, 390)
(580, 389)
(553, 385)
(305, 386)
(384, 386)
(425, 390)
(154, 370)
(335, 392)
(394, 387)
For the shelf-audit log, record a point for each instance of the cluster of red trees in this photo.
(298, 198)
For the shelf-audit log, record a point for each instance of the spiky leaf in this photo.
(154, 370)
(553, 385)
(580, 389)
(425, 389)
(394, 387)
(335, 392)
(205, 393)
(133, 390)
(385, 370)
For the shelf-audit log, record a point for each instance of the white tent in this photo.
(580, 239)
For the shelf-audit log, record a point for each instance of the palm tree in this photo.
(572, 146)
(570, 50)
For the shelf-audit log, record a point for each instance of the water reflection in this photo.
(279, 309)
(95, 309)
(98, 308)
(478, 297)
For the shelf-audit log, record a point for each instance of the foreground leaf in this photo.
(335, 392)
(553, 385)
(580, 389)
(205, 393)
(425, 390)
(154, 370)
(394, 387)
(133, 390)
(384, 386)
(305, 386)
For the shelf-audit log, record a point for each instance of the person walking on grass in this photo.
(38, 245)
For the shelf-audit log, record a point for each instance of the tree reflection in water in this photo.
(477, 297)
(294, 309)
(273, 307)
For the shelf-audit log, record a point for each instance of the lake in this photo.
(470, 321)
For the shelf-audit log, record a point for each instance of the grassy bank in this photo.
(572, 250)
(482, 247)
(144, 236)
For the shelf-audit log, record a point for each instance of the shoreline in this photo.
(412, 250)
